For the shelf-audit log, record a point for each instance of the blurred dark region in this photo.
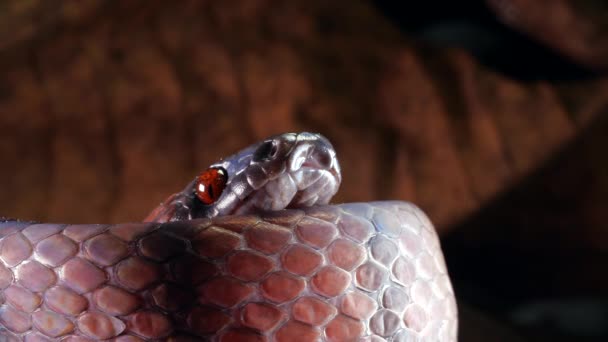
(534, 257)
(491, 115)
(471, 25)
(527, 261)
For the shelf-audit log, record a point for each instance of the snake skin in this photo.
(363, 271)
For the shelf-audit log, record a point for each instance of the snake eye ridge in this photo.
(210, 184)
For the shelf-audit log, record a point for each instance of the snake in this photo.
(249, 250)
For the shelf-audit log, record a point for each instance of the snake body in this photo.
(240, 269)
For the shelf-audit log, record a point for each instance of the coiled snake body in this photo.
(224, 260)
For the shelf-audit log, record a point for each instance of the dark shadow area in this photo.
(534, 258)
(471, 25)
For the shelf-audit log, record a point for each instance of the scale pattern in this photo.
(361, 271)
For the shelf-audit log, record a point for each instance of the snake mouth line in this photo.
(291, 190)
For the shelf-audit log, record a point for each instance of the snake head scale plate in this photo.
(290, 170)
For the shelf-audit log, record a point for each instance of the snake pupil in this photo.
(210, 185)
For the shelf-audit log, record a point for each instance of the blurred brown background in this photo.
(490, 115)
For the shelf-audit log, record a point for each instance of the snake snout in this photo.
(314, 169)
(293, 171)
(313, 151)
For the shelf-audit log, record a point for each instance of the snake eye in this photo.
(210, 184)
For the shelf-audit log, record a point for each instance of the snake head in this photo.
(290, 170)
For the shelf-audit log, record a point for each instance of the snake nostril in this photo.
(267, 150)
(324, 157)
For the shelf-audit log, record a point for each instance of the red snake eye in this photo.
(210, 184)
